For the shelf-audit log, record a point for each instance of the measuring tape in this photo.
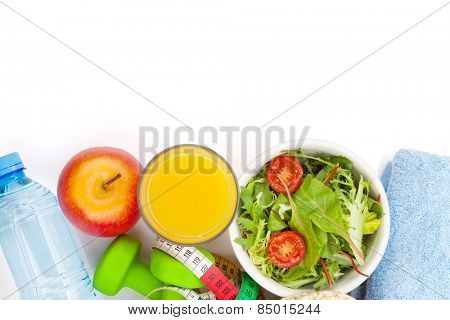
(214, 277)
(249, 289)
(189, 294)
(228, 268)
(195, 261)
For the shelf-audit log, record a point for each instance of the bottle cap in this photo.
(9, 163)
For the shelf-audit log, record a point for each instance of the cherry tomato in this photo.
(285, 168)
(286, 249)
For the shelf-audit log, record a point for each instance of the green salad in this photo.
(306, 219)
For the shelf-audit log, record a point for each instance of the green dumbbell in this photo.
(171, 295)
(172, 272)
(121, 267)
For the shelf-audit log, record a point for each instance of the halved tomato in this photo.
(285, 169)
(286, 249)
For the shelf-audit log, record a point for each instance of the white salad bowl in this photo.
(376, 243)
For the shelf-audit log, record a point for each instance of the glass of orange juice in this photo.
(188, 194)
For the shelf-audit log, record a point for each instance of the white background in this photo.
(218, 63)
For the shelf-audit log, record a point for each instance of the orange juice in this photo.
(188, 194)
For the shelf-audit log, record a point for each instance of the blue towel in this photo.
(416, 264)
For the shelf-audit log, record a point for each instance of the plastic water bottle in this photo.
(36, 240)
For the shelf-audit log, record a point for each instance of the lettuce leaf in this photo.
(275, 222)
(357, 203)
(264, 196)
(303, 225)
(371, 224)
(258, 251)
(316, 200)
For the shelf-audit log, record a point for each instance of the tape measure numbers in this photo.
(249, 289)
(229, 269)
(196, 262)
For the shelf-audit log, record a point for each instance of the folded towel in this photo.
(416, 264)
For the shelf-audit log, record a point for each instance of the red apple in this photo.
(97, 191)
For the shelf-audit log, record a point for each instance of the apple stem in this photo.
(110, 182)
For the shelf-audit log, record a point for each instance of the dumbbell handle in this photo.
(140, 279)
